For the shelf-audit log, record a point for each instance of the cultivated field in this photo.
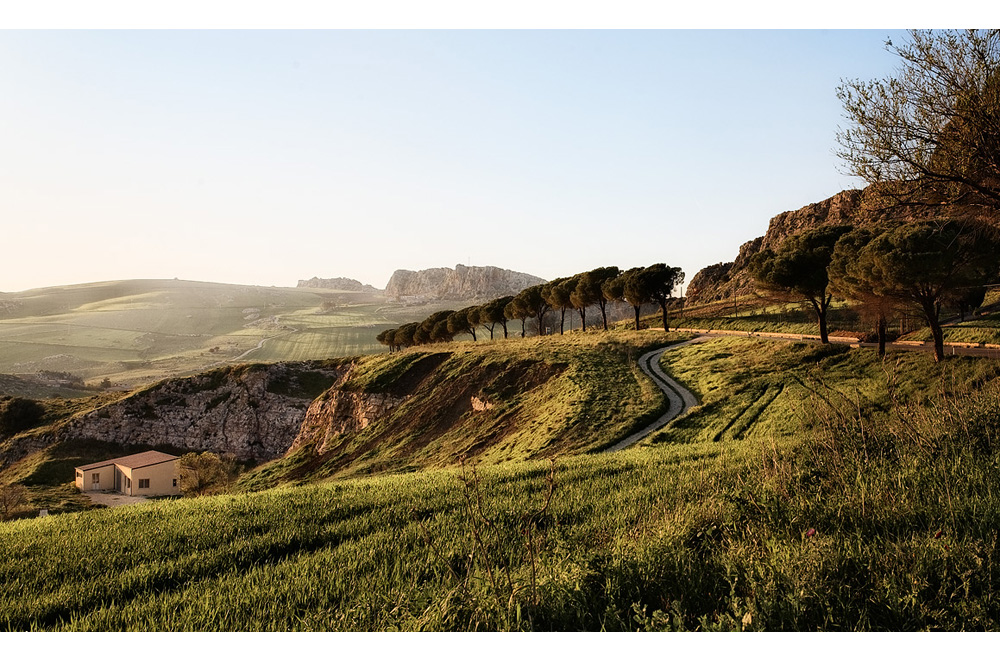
(137, 332)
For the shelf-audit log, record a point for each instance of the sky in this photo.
(265, 157)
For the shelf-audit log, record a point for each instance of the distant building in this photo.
(148, 473)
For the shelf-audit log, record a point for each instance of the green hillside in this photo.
(815, 488)
(136, 332)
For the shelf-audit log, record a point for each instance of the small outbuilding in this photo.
(149, 473)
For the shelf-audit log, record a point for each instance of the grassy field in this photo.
(752, 313)
(981, 329)
(854, 494)
(542, 397)
(137, 332)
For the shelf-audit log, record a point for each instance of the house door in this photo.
(95, 481)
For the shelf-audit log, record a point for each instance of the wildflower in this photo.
(938, 534)
(810, 532)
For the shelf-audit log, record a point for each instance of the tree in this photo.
(592, 286)
(929, 262)
(636, 289)
(435, 327)
(532, 299)
(798, 269)
(12, 497)
(967, 299)
(387, 337)
(930, 134)
(517, 309)
(201, 473)
(660, 281)
(583, 295)
(557, 295)
(853, 276)
(459, 322)
(403, 337)
(492, 313)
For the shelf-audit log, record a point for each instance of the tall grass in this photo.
(882, 515)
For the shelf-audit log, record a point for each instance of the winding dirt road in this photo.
(680, 399)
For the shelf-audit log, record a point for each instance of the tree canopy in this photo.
(853, 276)
(930, 262)
(798, 269)
(660, 281)
(929, 134)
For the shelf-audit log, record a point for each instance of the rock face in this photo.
(339, 283)
(253, 412)
(721, 280)
(340, 412)
(461, 283)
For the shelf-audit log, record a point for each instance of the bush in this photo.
(19, 414)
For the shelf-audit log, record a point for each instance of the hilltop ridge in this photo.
(463, 282)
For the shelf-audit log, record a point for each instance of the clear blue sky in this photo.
(266, 157)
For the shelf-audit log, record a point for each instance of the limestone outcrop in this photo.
(339, 283)
(252, 412)
(459, 284)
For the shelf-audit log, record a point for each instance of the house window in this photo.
(96, 477)
(175, 483)
(143, 483)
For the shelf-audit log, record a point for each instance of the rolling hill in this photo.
(136, 332)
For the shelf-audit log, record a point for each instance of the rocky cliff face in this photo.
(339, 283)
(719, 281)
(341, 412)
(851, 207)
(253, 412)
(461, 283)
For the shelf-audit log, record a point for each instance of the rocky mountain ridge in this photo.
(338, 283)
(461, 283)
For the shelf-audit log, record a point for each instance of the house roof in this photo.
(134, 461)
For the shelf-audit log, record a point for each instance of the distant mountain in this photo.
(459, 284)
(339, 283)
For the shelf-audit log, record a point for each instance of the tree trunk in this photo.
(663, 309)
(583, 318)
(636, 317)
(522, 327)
(932, 313)
(562, 322)
(823, 336)
(882, 324)
(472, 330)
(604, 313)
(820, 308)
(504, 325)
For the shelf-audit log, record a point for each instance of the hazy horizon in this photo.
(266, 157)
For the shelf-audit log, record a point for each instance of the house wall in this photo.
(162, 479)
(106, 474)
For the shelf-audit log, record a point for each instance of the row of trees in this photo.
(638, 286)
(882, 269)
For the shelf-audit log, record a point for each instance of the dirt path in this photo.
(680, 399)
(967, 349)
